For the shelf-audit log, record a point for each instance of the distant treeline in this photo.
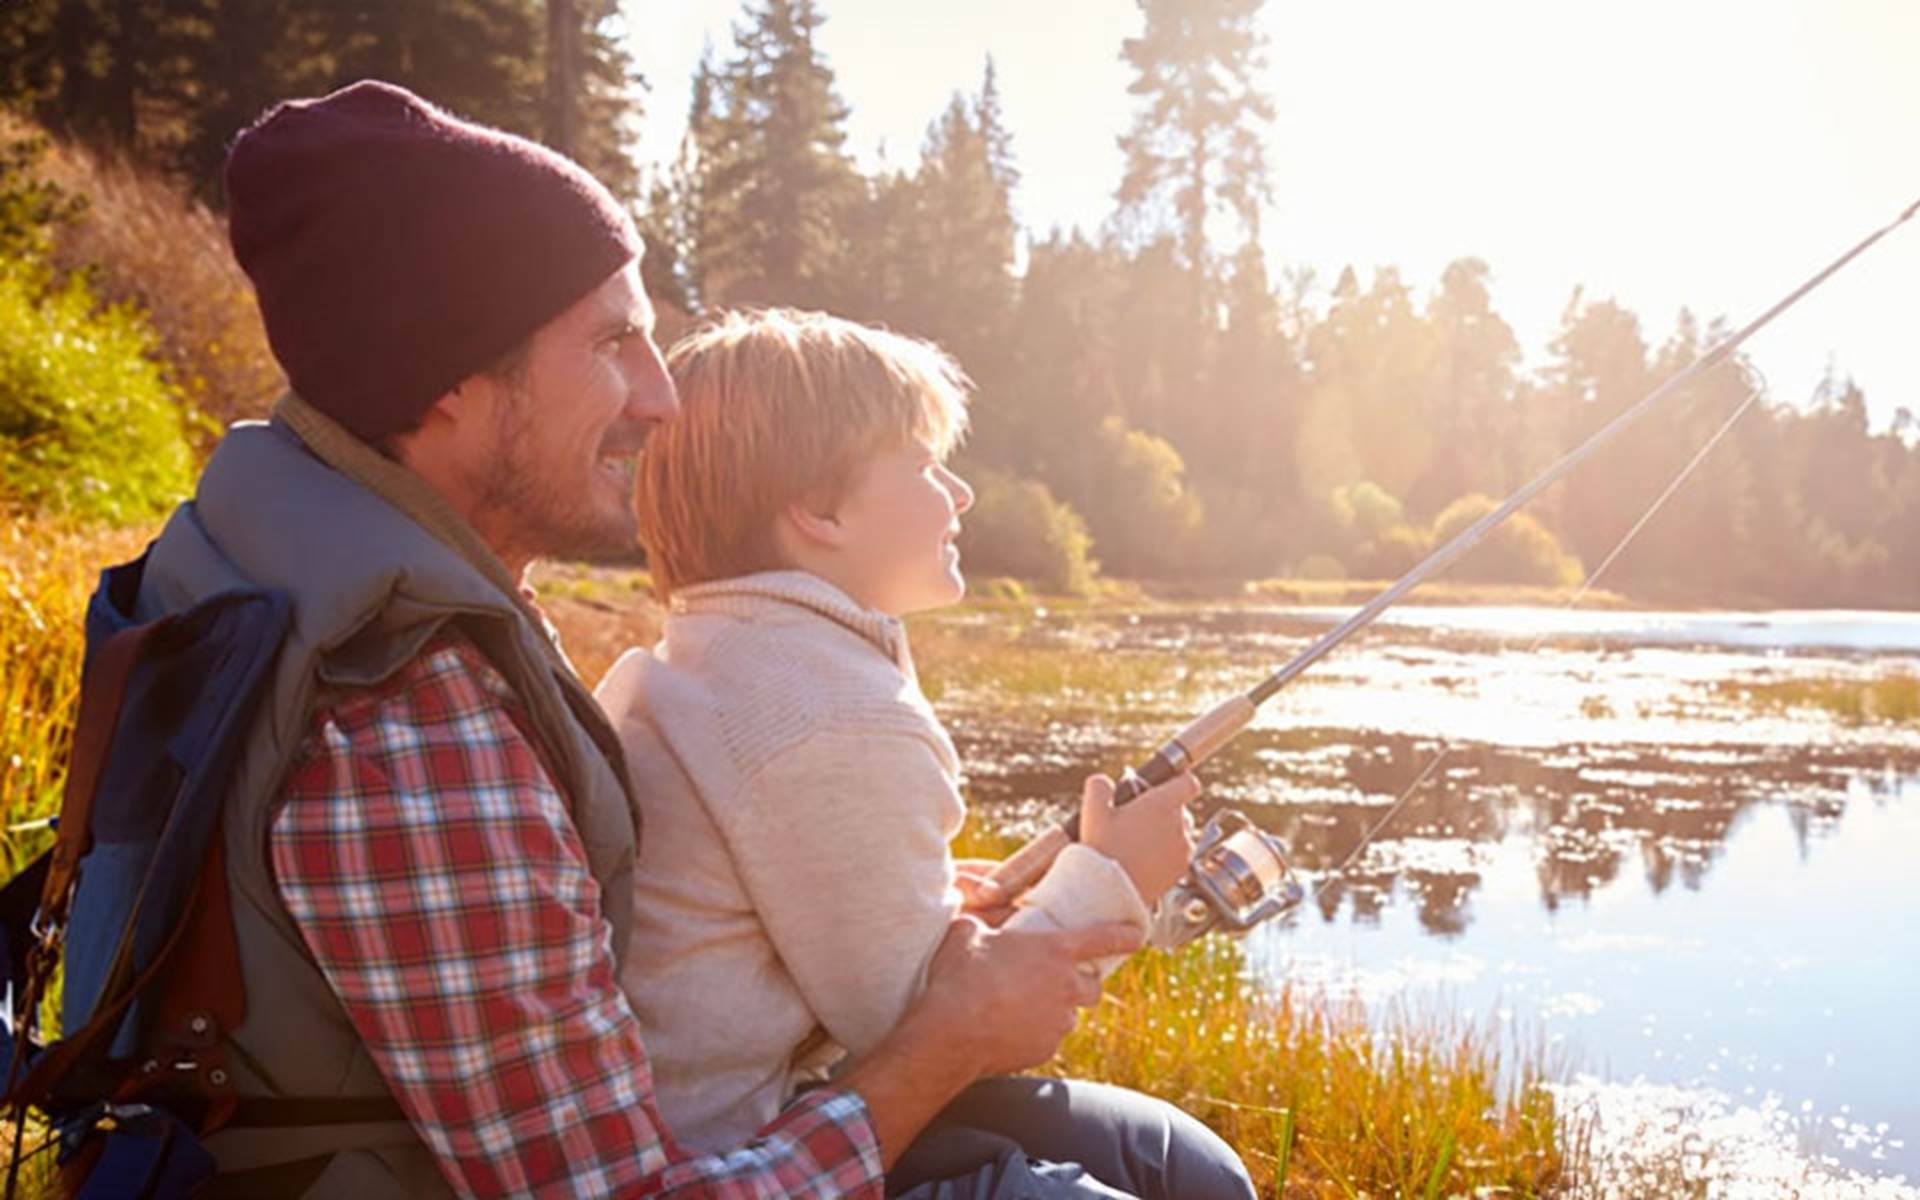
(1149, 395)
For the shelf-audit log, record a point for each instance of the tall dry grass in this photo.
(47, 571)
(140, 240)
(1893, 698)
(1320, 1097)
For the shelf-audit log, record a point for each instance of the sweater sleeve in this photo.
(841, 843)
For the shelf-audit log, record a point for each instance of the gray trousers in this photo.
(1019, 1138)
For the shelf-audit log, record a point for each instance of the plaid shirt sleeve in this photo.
(431, 865)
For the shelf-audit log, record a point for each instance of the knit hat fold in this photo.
(396, 250)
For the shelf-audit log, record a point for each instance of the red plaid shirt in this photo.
(431, 865)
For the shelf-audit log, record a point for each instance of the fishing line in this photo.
(1446, 748)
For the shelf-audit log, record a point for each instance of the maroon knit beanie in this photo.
(397, 250)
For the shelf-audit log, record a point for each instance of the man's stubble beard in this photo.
(534, 511)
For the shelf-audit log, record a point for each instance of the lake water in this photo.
(1711, 908)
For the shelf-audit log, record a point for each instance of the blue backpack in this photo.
(132, 902)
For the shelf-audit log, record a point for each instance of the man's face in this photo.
(558, 482)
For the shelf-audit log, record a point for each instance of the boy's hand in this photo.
(1152, 837)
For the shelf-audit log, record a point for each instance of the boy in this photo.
(800, 792)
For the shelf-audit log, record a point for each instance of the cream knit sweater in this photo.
(797, 797)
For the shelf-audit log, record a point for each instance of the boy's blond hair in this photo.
(778, 406)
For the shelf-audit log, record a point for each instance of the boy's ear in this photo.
(815, 520)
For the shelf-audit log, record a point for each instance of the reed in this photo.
(47, 571)
(1343, 593)
(1319, 1096)
(984, 653)
(1893, 698)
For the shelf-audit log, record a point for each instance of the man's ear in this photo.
(460, 410)
(469, 401)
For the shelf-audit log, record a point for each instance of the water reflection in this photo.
(1589, 812)
(1603, 758)
(1688, 892)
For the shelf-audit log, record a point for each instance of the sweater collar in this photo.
(767, 592)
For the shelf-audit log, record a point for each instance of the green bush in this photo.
(31, 208)
(1520, 551)
(1320, 566)
(1016, 527)
(1146, 521)
(1366, 509)
(89, 426)
(1392, 553)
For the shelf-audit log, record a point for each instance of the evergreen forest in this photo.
(1155, 398)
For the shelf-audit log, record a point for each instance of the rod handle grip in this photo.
(1024, 867)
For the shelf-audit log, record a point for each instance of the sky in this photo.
(1704, 154)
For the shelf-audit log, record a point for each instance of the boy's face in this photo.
(898, 518)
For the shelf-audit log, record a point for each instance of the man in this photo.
(429, 841)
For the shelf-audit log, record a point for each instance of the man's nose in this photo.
(651, 395)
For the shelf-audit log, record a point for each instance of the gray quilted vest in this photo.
(376, 564)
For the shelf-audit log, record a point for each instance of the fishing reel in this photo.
(1239, 876)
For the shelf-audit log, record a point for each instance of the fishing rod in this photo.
(1239, 875)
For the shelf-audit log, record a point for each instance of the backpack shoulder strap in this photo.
(103, 689)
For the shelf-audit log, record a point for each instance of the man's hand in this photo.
(996, 1001)
(980, 896)
(1008, 997)
(1152, 837)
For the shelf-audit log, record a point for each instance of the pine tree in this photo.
(1475, 364)
(992, 124)
(1599, 366)
(1240, 444)
(946, 235)
(609, 107)
(1372, 361)
(671, 219)
(172, 81)
(775, 182)
(1194, 152)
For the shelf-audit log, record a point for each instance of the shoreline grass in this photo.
(1321, 1099)
(1892, 698)
(1345, 593)
(955, 660)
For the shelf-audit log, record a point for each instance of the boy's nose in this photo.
(962, 492)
